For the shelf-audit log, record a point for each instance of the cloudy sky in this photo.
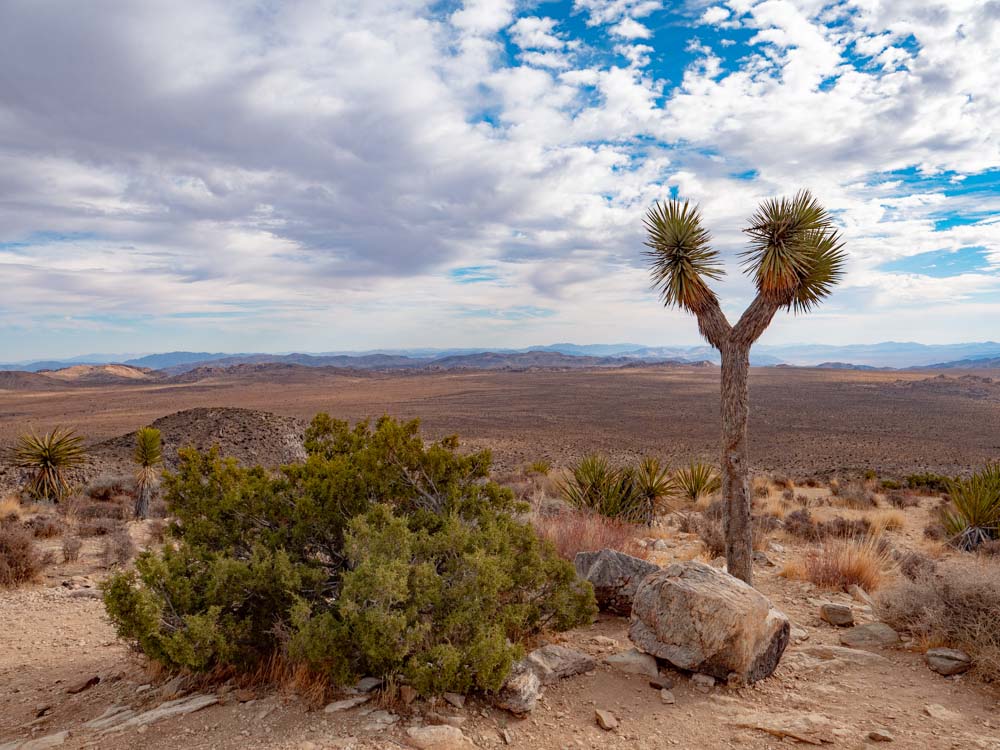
(353, 174)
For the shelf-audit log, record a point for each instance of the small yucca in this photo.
(697, 480)
(49, 456)
(973, 517)
(148, 455)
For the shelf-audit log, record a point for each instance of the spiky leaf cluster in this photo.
(49, 456)
(796, 257)
(681, 258)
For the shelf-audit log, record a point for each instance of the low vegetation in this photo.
(697, 482)
(379, 555)
(20, 560)
(49, 457)
(955, 605)
(148, 458)
(973, 516)
(633, 494)
(585, 531)
(840, 563)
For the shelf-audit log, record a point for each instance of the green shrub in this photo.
(378, 555)
(890, 484)
(928, 482)
(541, 467)
(631, 494)
(973, 515)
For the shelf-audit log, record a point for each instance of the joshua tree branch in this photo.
(712, 323)
(754, 321)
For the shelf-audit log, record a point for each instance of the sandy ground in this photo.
(54, 639)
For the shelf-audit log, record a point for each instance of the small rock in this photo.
(85, 594)
(837, 614)
(939, 712)
(775, 547)
(759, 558)
(40, 711)
(948, 661)
(172, 687)
(438, 737)
(702, 682)
(606, 720)
(85, 685)
(458, 701)
(634, 661)
(554, 662)
(719, 562)
(244, 696)
(367, 684)
(860, 595)
(666, 696)
(408, 694)
(347, 703)
(660, 545)
(142, 689)
(507, 736)
(44, 743)
(521, 691)
(661, 683)
(799, 634)
(880, 735)
(870, 635)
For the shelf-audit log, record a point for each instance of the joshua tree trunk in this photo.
(735, 484)
(142, 497)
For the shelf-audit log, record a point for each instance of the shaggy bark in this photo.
(733, 343)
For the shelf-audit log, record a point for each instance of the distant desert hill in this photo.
(985, 363)
(100, 374)
(248, 435)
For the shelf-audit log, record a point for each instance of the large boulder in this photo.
(703, 620)
(614, 576)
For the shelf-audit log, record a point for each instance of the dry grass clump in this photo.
(20, 561)
(71, 546)
(839, 563)
(856, 495)
(98, 527)
(902, 498)
(887, 519)
(106, 488)
(710, 527)
(956, 605)
(583, 531)
(801, 524)
(44, 527)
(10, 507)
(118, 548)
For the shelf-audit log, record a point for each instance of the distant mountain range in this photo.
(886, 355)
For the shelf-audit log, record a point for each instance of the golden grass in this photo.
(839, 563)
(775, 505)
(10, 506)
(887, 519)
(582, 531)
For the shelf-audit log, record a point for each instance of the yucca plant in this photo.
(974, 515)
(697, 480)
(795, 258)
(148, 455)
(654, 485)
(49, 456)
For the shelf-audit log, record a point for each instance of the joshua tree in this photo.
(148, 455)
(795, 257)
(49, 456)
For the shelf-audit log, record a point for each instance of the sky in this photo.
(361, 174)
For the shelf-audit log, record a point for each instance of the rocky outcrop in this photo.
(703, 620)
(948, 661)
(554, 662)
(615, 577)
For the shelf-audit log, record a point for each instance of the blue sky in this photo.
(355, 174)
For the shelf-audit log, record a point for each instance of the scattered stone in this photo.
(367, 684)
(244, 695)
(799, 634)
(661, 683)
(143, 688)
(85, 594)
(438, 737)
(841, 655)
(379, 721)
(347, 703)
(939, 712)
(521, 691)
(860, 595)
(634, 661)
(703, 620)
(554, 662)
(40, 711)
(948, 661)
(812, 729)
(703, 683)
(615, 577)
(759, 558)
(880, 735)
(839, 615)
(458, 701)
(606, 720)
(775, 547)
(179, 707)
(172, 688)
(507, 736)
(85, 685)
(43, 743)
(667, 697)
(870, 635)
(408, 694)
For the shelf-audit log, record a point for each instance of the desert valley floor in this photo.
(806, 423)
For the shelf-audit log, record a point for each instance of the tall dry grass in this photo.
(839, 563)
(582, 531)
